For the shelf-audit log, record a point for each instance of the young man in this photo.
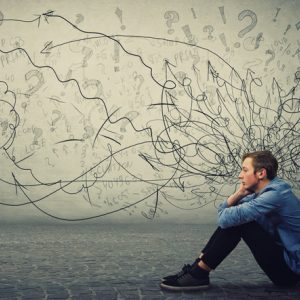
(263, 212)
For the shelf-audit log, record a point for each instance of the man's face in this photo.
(249, 179)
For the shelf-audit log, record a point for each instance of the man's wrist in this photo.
(234, 198)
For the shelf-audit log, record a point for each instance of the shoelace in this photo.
(184, 270)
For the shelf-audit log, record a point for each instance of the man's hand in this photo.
(240, 193)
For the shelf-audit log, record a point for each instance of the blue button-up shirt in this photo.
(277, 209)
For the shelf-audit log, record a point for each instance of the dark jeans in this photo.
(267, 253)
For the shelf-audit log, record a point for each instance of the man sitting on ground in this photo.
(265, 213)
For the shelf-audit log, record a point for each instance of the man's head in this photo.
(258, 169)
(263, 160)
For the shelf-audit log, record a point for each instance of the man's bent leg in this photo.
(221, 243)
(193, 277)
(268, 254)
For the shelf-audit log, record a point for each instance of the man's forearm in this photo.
(235, 198)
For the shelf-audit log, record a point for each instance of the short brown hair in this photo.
(263, 160)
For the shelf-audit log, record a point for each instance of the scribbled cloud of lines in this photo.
(124, 125)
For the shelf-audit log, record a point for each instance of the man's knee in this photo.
(286, 282)
(252, 229)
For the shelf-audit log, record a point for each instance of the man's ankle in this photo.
(199, 272)
(204, 266)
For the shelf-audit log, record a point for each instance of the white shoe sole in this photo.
(184, 288)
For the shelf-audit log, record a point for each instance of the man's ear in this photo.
(262, 173)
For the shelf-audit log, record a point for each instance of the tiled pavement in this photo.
(80, 261)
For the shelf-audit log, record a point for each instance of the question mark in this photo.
(271, 58)
(140, 78)
(171, 17)
(282, 67)
(79, 19)
(37, 134)
(209, 29)
(244, 14)
(6, 135)
(58, 113)
(4, 125)
(40, 78)
(130, 115)
(89, 131)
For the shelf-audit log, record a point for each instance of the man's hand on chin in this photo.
(240, 193)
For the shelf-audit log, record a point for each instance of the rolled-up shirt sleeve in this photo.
(249, 209)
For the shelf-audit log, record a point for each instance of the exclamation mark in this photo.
(278, 10)
(194, 14)
(119, 13)
(223, 40)
(221, 8)
(187, 31)
(287, 29)
(117, 56)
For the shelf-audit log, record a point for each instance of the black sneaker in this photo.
(188, 281)
(184, 270)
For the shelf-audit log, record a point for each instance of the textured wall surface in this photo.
(138, 110)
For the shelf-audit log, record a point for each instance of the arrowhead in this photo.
(48, 47)
(168, 64)
(169, 73)
(195, 68)
(212, 71)
(48, 14)
(178, 183)
(249, 73)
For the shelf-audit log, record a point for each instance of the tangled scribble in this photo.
(110, 121)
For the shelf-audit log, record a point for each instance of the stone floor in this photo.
(117, 261)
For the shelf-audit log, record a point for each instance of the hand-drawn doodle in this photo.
(209, 29)
(258, 39)
(277, 12)
(127, 122)
(1, 18)
(223, 40)
(38, 132)
(250, 14)
(116, 56)
(40, 81)
(243, 14)
(194, 13)
(171, 17)
(79, 18)
(187, 31)
(287, 29)
(119, 13)
(222, 12)
(269, 52)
